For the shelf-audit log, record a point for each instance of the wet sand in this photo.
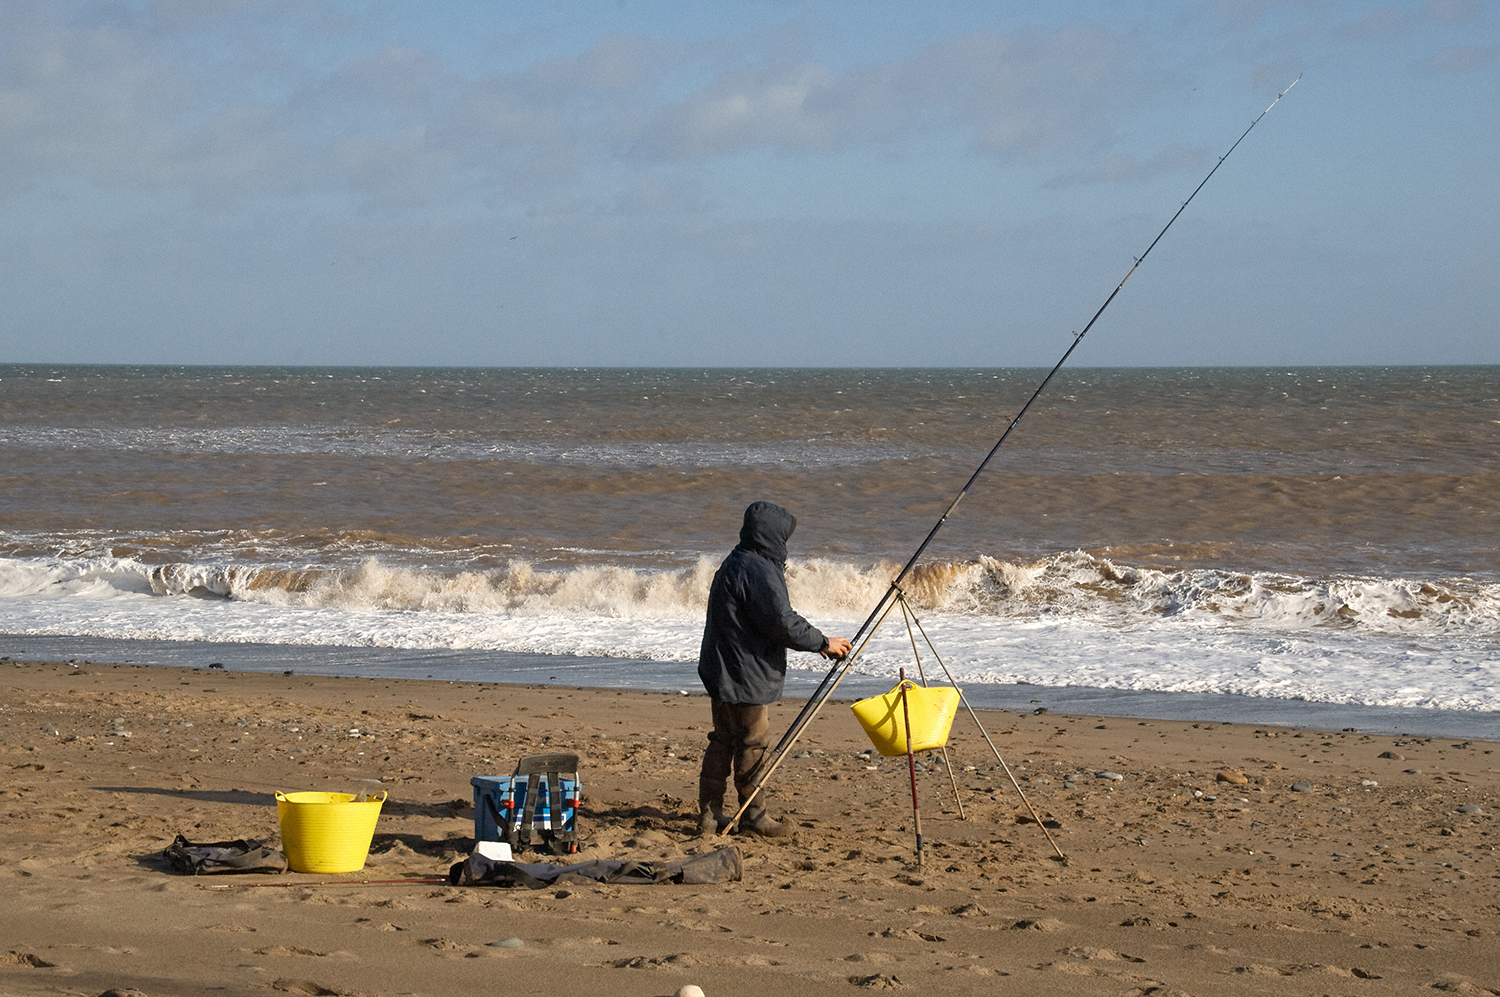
(1378, 877)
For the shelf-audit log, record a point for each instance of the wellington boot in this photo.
(711, 819)
(757, 821)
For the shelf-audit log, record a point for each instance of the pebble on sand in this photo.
(1302, 786)
(506, 943)
(690, 991)
(1232, 776)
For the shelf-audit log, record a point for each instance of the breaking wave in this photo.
(1073, 619)
(1076, 585)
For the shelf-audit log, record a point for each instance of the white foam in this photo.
(443, 446)
(1071, 620)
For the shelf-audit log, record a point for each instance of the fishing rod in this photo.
(867, 629)
(320, 882)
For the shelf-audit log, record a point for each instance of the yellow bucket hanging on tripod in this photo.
(932, 709)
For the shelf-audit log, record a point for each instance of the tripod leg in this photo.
(1019, 791)
(911, 766)
(911, 617)
(953, 779)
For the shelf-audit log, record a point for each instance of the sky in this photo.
(780, 183)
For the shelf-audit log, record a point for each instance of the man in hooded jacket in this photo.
(742, 663)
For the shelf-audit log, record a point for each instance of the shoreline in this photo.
(647, 675)
(1370, 880)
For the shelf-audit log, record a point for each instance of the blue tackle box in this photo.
(519, 809)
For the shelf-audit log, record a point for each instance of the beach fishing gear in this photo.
(911, 760)
(724, 865)
(913, 627)
(936, 706)
(240, 855)
(327, 832)
(302, 883)
(537, 805)
(887, 718)
(954, 696)
(893, 593)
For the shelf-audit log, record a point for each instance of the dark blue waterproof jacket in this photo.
(751, 622)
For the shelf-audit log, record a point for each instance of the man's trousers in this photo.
(739, 743)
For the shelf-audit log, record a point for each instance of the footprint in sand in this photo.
(365, 922)
(305, 987)
(1040, 924)
(25, 960)
(1458, 985)
(289, 950)
(1108, 955)
(878, 982)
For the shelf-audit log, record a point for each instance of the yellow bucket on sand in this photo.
(327, 832)
(932, 709)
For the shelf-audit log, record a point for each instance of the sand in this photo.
(1370, 880)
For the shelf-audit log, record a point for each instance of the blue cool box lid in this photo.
(492, 793)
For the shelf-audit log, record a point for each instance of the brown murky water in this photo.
(1378, 471)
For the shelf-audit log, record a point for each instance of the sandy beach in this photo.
(1193, 865)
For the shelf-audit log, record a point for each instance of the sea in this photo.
(1318, 547)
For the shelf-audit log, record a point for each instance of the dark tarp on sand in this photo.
(722, 866)
(222, 856)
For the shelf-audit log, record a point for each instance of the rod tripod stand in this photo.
(896, 597)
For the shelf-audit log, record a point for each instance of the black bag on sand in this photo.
(722, 866)
(222, 856)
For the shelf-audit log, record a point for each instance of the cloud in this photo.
(131, 103)
(115, 102)
(80, 99)
(1129, 169)
(616, 63)
(1451, 12)
(1248, 13)
(1383, 22)
(192, 15)
(1020, 95)
(657, 196)
(1275, 76)
(1458, 60)
(395, 78)
(747, 109)
(229, 102)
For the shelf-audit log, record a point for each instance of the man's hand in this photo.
(837, 648)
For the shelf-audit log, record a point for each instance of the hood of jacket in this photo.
(767, 528)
